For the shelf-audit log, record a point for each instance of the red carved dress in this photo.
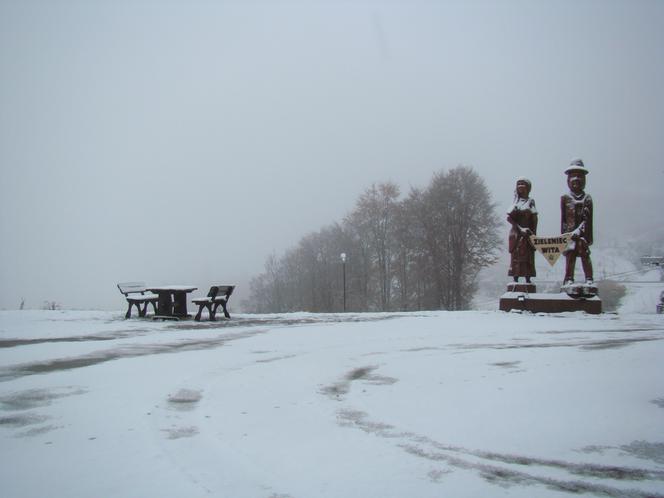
(523, 214)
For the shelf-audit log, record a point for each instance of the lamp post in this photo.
(343, 264)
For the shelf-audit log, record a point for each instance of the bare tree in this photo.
(460, 228)
(307, 277)
(420, 253)
(373, 221)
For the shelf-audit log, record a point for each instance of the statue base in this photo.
(528, 288)
(549, 303)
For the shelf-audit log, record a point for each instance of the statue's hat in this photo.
(576, 166)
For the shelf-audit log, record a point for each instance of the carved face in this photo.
(522, 189)
(576, 182)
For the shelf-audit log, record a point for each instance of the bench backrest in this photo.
(132, 287)
(221, 290)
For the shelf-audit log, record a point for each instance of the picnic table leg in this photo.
(141, 312)
(180, 304)
(165, 304)
(128, 314)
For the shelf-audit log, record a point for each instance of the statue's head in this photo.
(576, 182)
(576, 176)
(523, 187)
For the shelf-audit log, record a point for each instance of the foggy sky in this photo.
(181, 142)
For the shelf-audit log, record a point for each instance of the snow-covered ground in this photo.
(459, 404)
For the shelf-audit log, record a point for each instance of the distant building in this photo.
(652, 261)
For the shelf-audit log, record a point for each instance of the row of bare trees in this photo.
(422, 252)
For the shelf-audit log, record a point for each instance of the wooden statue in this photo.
(576, 217)
(523, 218)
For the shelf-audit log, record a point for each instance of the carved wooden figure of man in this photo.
(576, 217)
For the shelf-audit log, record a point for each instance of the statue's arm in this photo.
(517, 228)
(511, 220)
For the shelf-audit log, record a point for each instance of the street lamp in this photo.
(343, 264)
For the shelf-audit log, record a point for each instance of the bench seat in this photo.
(142, 298)
(217, 296)
(137, 295)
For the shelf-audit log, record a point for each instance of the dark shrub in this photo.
(611, 292)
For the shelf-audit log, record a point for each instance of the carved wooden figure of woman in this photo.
(523, 218)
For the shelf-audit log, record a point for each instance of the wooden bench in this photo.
(137, 295)
(218, 296)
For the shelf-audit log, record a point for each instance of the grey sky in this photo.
(183, 141)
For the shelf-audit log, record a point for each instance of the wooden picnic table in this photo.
(172, 303)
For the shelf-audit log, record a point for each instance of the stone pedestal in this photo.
(549, 303)
(528, 288)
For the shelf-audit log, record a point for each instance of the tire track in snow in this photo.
(497, 468)
(510, 473)
(123, 352)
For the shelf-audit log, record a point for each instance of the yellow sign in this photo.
(551, 247)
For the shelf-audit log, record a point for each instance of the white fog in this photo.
(184, 142)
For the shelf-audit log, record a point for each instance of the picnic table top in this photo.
(172, 288)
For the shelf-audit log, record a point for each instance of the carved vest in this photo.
(574, 212)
